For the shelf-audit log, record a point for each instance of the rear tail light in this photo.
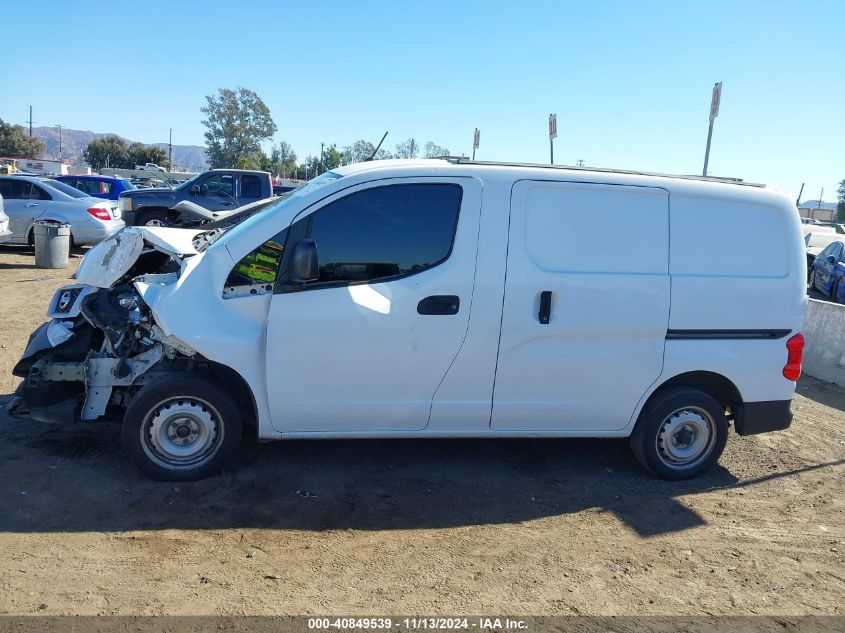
(795, 349)
(100, 214)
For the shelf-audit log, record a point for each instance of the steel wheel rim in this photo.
(154, 222)
(182, 433)
(685, 438)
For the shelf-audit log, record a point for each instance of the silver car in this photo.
(5, 233)
(30, 198)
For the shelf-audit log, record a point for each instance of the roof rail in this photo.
(460, 160)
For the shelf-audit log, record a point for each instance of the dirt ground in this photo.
(414, 527)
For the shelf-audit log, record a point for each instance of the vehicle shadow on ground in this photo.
(825, 393)
(76, 479)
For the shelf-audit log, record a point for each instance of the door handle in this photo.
(440, 305)
(31, 204)
(545, 307)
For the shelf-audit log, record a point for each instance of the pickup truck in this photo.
(209, 196)
(149, 167)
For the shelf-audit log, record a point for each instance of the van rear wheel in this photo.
(181, 428)
(680, 434)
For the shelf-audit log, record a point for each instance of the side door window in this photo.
(217, 192)
(250, 188)
(14, 189)
(218, 184)
(822, 257)
(382, 233)
(39, 193)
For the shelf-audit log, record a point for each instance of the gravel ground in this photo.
(414, 527)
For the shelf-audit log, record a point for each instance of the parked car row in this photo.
(30, 198)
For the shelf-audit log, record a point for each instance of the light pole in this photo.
(60, 141)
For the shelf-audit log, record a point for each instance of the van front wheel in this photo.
(181, 428)
(680, 434)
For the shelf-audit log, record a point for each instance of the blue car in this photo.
(827, 270)
(104, 187)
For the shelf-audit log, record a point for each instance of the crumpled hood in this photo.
(109, 260)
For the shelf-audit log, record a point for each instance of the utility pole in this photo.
(30, 121)
(170, 150)
(580, 162)
(819, 205)
(60, 141)
(322, 165)
(714, 112)
(798, 201)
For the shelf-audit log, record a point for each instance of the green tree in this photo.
(433, 150)
(360, 151)
(283, 160)
(140, 154)
(108, 151)
(331, 158)
(408, 149)
(14, 141)
(840, 207)
(237, 121)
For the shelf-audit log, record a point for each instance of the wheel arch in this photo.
(718, 386)
(240, 390)
(143, 210)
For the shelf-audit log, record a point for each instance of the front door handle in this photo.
(545, 307)
(439, 304)
(31, 204)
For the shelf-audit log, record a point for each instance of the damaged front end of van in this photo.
(103, 341)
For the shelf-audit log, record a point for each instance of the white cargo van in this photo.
(440, 298)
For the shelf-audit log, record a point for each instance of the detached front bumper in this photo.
(762, 417)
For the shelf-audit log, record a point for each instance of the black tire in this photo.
(153, 218)
(691, 411)
(194, 402)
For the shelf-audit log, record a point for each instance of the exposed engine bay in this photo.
(103, 342)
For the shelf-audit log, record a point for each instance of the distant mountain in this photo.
(74, 142)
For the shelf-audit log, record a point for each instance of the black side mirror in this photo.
(195, 190)
(831, 259)
(303, 265)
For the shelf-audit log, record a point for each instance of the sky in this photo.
(630, 81)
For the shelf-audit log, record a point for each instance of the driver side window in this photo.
(218, 184)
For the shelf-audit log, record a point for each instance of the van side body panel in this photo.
(587, 365)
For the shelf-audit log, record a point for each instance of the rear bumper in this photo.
(762, 417)
(94, 233)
